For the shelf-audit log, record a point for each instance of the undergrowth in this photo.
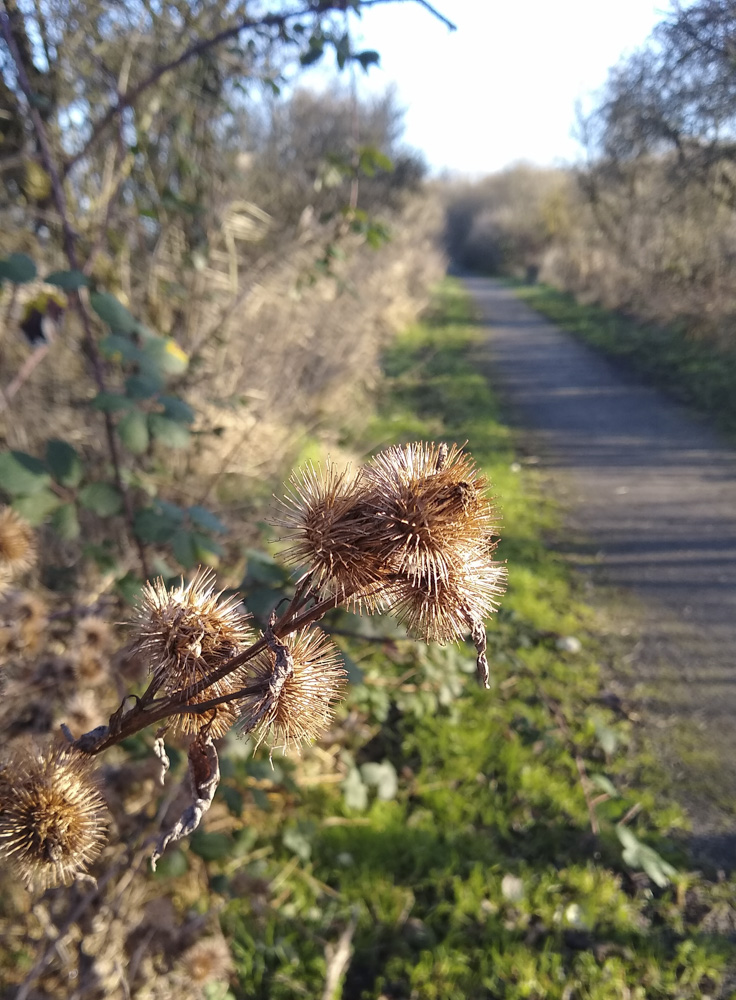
(461, 844)
(691, 370)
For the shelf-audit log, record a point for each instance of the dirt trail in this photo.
(651, 493)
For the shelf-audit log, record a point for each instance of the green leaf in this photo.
(173, 864)
(22, 474)
(233, 799)
(143, 386)
(64, 463)
(65, 522)
(211, 846)
(129, 587)
(101, 498)
(151, 525)
(642, 857)
(36, 508)
(262, 569)
(113, 312)
(605, 784)
(368, 58)
(68, 280)
(298, 842)
(18, 268)
(183, 547)
(164, 356)
(206, 519)
(355, 674)
(177, 409)
(168, 432)
(206, 550)
(119, 348)
(383, 776)
(133, 432)
(111, 402)
(170, 510)
(354, 791)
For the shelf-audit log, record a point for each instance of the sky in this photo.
(503, 87)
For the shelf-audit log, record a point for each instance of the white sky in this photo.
(503, 87)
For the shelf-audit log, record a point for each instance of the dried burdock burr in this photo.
(329, 533)
(52, 816)
(187, 633)
(447, 610)
(430, 511)
(298, 682)
(17, 548)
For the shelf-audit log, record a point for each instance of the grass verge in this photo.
(694, 372)
(455, 843)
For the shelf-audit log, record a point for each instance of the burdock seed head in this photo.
(52, 816)
(17, 549)
(329, 532)
(448, 609)
(294, 705)
(429, 508)
(187, 633)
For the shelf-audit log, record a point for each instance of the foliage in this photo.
(478, 875)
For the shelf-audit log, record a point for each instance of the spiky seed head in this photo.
(207, 960)
(299, 710)
(82, 712)
(93, 635)
(91, 668)
(17, 549)
(446, 610)
(52, 816)
(5, 579)
(26, 615)
(187, 633)
(324, 515)
(429, 507)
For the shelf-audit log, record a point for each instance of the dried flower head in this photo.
(52, 816)
(17, 550)
(5, 579)
(208, 960)
(296, 699)
(93, 635)
(82, 712)
(91, 668)
(187, 633)
(429, 509)
(324, 515)
(25, 615)
(445, 610)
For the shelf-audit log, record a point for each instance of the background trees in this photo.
(648, 224)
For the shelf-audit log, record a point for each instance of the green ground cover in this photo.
(464, 843)
(691, 370)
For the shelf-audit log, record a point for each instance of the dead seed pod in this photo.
(429, 509)
(446, 610)
(187, 633)
(330, 534)
(299, 682)
(52, 816)
(17, 548)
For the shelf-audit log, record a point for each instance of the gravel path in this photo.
(650, 491)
